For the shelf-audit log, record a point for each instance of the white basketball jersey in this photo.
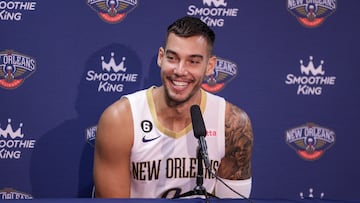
(163, 162)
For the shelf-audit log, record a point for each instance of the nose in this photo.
(180, 69)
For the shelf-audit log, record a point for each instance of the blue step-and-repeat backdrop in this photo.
(292, 65)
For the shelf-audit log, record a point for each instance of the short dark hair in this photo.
(189, 26)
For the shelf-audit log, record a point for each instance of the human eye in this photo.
(171, 57)
(195, 60)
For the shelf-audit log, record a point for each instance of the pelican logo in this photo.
(10, 193)
(15, 68)
(311, 14)
(112, 11)
(310, 141)
(90, 135)
(224, 72)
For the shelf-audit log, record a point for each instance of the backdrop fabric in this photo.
(292, 65)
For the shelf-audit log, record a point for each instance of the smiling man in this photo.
(145, 146)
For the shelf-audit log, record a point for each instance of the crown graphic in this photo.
(216, 3)
(311, 68)
(112, 64)
(311, 195)
(8, 131)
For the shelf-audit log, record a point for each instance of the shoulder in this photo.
(116, 110)
(116, 118)
(236, 117)
(237, 125)
(238, 130)
(211, 96)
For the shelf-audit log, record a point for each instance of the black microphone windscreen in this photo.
(197, 121)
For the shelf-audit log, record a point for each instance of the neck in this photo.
(174, 116)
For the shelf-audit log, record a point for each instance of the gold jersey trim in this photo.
(163, 129)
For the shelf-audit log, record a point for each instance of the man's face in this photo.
(184, 62)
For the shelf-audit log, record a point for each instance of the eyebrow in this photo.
(191, 56)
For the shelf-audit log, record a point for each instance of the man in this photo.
(145, 146)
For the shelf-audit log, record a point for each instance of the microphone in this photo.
(199, 131)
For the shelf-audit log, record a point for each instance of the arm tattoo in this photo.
(238, 145)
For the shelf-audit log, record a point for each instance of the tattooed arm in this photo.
(235, 166)
(236, 163)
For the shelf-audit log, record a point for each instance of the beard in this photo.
(173, 98)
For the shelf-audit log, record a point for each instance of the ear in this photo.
(211, 66)
(160, 56)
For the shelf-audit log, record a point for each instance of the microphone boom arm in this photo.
(203, 151)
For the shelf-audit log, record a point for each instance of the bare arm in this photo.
(238, 145)
(114, 139)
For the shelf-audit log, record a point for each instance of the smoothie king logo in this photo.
(117, 72)
(213, 12)
(15, 68)
(9, 193)
(224, 72)
(112, 11)
(311, 13)
(311, 194)
(12, 142)
(310, 141)
(13, 10)
(312, 80)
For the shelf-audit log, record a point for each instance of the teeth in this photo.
(180, 83)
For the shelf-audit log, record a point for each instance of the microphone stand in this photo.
(199, 189)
